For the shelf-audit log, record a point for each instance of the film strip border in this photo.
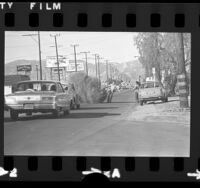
(112, 168)
(103, 16)
(106, 20)
(107, 17)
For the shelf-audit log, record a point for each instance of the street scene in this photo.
(97, 94)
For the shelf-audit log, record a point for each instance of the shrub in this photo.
(87, 88)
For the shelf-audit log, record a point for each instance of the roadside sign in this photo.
(51, 61)
(54, 74)
(71, 66)
(26, 68)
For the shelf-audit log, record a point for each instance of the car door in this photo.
(62, 99)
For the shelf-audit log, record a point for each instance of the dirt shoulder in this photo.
(162, 112)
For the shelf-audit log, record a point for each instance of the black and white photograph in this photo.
(97, 93)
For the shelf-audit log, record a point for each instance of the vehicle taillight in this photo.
(10, 100)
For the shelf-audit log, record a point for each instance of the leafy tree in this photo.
(159, 50)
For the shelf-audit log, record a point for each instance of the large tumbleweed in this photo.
(87, 88)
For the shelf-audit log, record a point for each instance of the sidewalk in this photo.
(162, 112)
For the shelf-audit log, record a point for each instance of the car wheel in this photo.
(56, 113)
(78, 106)
(66, 112)
(165, 99)
(29, 113)
(71, 105)
(141, 103)
(14, 114)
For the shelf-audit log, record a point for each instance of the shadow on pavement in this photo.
(70, 116)
(96, 108)
(90, 115)
(160, 102)
(121, 102)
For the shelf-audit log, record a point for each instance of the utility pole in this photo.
(40, 60)
(39, 47)
(107, 70)
(37, 71)
(99, 72)
(95, 55)
(51, 73)
(86, 63)
(58, 66)
(111, 71)
(74, 46)
(98, 69)
(181, 77)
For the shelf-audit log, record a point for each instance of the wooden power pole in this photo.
(86, 63)
(75, 59)
(58, 65)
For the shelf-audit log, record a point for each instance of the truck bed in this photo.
(146, 93)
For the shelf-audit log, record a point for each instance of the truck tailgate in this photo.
(150, 92)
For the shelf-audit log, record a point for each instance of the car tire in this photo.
(56, 113)
(14, 114)
(66, 112)
(165, 99)
(141, 103)
(29, 113)
(78, 106)
(72, 106)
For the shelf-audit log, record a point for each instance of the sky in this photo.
(113, 46)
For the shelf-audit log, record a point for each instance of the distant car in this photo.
(74, 97)
(38, 96)
(152, 91)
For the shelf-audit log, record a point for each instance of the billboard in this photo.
(71, 66)
(51, 61)
(25, 68)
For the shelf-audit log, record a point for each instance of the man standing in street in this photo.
(111, 89)
(136, 89)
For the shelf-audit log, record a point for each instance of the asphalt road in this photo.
(95, 130)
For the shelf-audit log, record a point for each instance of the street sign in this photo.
(54, 74)
(26, 68)
(51, 61)
(55, 70)
(71, 66)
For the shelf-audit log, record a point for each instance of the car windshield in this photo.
(150, 85)
(36, 86)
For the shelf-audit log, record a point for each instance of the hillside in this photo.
(132, 69)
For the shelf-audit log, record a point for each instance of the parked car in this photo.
(6, 108)
(74, 97)
(38, 96)
(152, 91)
